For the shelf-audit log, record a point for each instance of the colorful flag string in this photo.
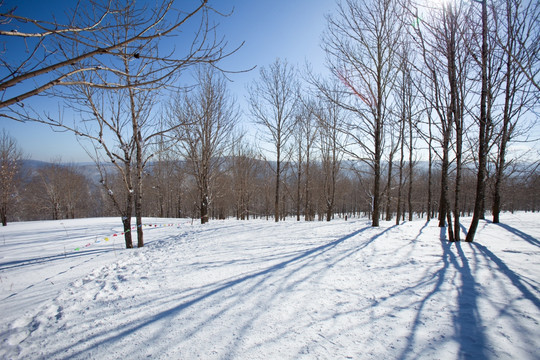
(106, 239)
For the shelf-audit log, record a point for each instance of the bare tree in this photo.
(163, 194)
(483, 126)
(244, 173)
(273, 101)
(403, 119)
(130, 76)
(10, 158)
(207, 116)
(361, 44)
(457, 59)
(393, 146)
(514, 27)
(437, 41)
(298, 161)
(305, 133)
(330, 123)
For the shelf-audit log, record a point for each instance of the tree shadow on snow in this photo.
(52, 258)
(530, 239)
(212, 290)
(515, 278)
(468, 328)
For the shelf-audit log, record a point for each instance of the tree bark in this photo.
(204, 209)
(388, 188)
(126, 221)
(430, 179)
(444, 211)
(454, 116)
(482, 141)
(409, 195)
(276, 195)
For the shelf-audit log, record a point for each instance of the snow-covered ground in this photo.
(260, 290)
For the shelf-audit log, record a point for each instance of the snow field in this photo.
(260, 290)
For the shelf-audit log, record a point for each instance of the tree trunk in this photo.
(308, 208)
(276, 198)
(409, 195)
(298, 187)
(430, 165)
(377, 162)
(443, 205)
(444, 212)
(204, 208)
(501, 160)
(482, 148)
(388, 188)
(138, 190)
(126, 221)
(308, 215)
(376, 187)
(401, 160)
(497, 193)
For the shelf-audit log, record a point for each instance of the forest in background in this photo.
(53, 191)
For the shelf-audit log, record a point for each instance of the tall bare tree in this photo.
(10, 158)
(516, 24)
(244, 170)
(207, 116)
(273, 100)
(298, 161)
(457, 70)
(402, 123)
(361, 44)
(484, 126)
(395, 141)
(305, 133)
(130, 74)
(331, 120)
(438, 39)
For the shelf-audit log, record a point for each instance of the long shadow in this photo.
(330, 263)
(514, 278)
(440, 275)
(421, 231)
(131, 328)
(46, 259)
(467, 322)
(530, 239)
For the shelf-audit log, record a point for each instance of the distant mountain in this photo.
(33, 164)
(88, 169)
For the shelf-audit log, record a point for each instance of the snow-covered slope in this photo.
(260, 290)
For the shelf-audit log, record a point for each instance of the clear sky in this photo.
(286, 29)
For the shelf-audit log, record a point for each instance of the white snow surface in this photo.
(260, 290)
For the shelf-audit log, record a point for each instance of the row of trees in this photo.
(243, 188)
(451, 85)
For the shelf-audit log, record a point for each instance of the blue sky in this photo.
(286, 29)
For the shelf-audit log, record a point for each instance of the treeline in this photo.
(53, 191)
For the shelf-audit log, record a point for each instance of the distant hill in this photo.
(88, 169)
